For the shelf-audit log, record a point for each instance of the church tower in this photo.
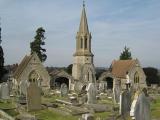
(83, 55)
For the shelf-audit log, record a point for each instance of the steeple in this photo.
(83, 27)
(83, 56)
(83, 38)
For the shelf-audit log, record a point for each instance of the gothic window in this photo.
(88, 76)
(81, 43)
(85, 43)
(136, 77)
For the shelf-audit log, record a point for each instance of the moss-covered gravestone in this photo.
(33, 97)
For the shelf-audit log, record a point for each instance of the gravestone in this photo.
(132, 111)
(87, 116)
(116, 91)
(101, 86)
(23, 87)
(125, 102)
(64, 89)
(4, 91)
(142, 108)
(33, 97)
(91, 93)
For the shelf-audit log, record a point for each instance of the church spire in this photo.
(83, 28)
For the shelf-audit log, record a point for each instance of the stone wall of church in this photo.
(142, 78)
(34, 65)
(78, 63)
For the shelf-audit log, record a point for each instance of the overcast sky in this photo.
(113, 24)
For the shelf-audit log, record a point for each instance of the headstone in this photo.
(141, 108)
(23, 87)
(116, 91)
(64, 89)
(101, 87)
(4, 91)
(33, 97)
(83, 99)
(87, 117)
(91, 93)
(132, 111)
(125, 102)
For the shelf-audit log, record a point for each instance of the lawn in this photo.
(50, 115)
(8, 107)
(6, 104)
(155, 109)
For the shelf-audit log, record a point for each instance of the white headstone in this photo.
(4, 91)
(87, 116)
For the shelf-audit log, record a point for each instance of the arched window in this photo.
(81, 43)
(85, 43)
(136, 77)
(33, 76)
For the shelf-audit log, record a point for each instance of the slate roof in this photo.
(22, 66)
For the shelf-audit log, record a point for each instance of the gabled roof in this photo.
(22, 66)
(121, 67)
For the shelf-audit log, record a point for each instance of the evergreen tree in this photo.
(37, 43)
(1, 63)
(126, 54)
(69, 69)
(2, 69)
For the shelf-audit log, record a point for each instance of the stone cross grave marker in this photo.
(33, 97)
(91, 93)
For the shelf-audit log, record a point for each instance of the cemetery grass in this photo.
(8, 107)
(103, 115)
(49, 115)
(6, 104)
(155, 109)
(46, 99)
